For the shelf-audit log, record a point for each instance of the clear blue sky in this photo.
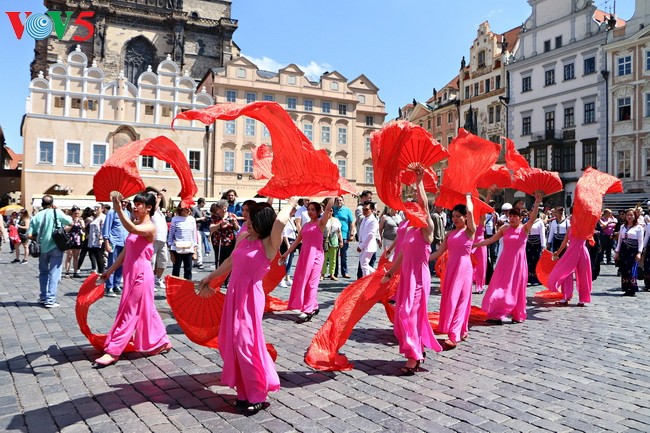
(405, 47)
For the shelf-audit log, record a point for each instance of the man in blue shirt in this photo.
(114, 235)
(348, 230)
(233, 205)
(41, 227)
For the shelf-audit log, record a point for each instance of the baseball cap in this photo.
(506, 206)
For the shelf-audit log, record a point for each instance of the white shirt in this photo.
(538, 229)
(634, 232)
(559, 229)
(161, 225)
(368, 233)
(289, 230)
(303, 214)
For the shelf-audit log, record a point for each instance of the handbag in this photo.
(35, 244)
(61, 238)
(183, 247)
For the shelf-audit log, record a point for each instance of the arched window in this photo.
(139, 53)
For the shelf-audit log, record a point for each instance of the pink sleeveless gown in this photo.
(304, 290)
(575, 259)
(411, 325)
(137, 315)
(506, 294)
(456, 301)
(247, 365)
(481, 257)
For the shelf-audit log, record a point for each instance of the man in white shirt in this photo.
(302, 216)
(368, 235)
(160, 255)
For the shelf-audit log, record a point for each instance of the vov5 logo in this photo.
(39, 26)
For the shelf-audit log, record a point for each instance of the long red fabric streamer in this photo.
(298, 169)
(497, 176)
(588, 200)
(514, 159)
(120, 171)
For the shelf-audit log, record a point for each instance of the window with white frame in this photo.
(569, 71)
(334, 85)
(590, 112)
(291, 80)
(325, 132)
(308, 104)
(624, 108)
(490, 115)
(589, 155)
(99, 154)
(487, 85)
(194, 158)
(549, 77)
(369, 174)
(343, 109)
(497, 113)
(248, 162)
(251, 97)
(647, 60)
(265, 131)
(326, 107)
(241, 73)
(229, 161)
(370, 120)
(231, 127)
(46, 152)
(569, 117)
(308, 130)
(250, 127)
(231, 96)
(624, 163)
(366, 147)
(525, 125)
(343, 135)
(541, 158)
(450, 117)
(526, 84)
(267, 97)
(343, 167)
(291, 103)
(73, 153)
(624, 65)
(497, 82)
(590, 65)
(147, 161)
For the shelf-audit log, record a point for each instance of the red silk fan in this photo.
(419, 148)
(350, 306)
(449, 198)
(497, 176)
(89, 293)
(262, 158)
(544, 267)
(514, 159)
(298, 169)
(120, 173)
(588, 200)
(407, 177)
(530, 180)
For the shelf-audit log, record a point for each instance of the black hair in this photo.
(369, 203)
(147, 199)
(47, 201)
(366, 192)
(224, 196)
(262, 218)
(514, 212)
(461, 209)
(249, 203)
(317, 206)
(201, 200)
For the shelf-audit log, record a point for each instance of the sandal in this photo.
(165, 348)
(410, 371)
(448, 345)
(562, 303)
(253, 408)
(304, 317)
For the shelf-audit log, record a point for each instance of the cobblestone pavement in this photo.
(564, 369)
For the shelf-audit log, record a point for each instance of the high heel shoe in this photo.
(103, 364)
(253, 408)
(410, 371)
(304, 317)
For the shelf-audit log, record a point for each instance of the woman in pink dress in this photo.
(411, 323)
(247, 365)
(506, 293)
(575, 259)
(137, 316)
(306, 276)
(456, 299)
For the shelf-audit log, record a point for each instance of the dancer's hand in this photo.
(205, 291)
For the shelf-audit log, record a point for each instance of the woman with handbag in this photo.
(628, 252)
(21, 226)
(136, 316)
(182, 241)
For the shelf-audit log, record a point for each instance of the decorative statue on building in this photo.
(463, 63)
(415, 102)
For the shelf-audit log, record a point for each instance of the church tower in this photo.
(131, 35)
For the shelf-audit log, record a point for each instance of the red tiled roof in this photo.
(602, 16)
(453, 83)
(15, 158)
(511, 37)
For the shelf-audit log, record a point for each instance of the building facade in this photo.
(76, 118)
(335, 114)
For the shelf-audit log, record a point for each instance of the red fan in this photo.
(298, 169)
(89, 293)
(419, 148)
(588, 200)
(350, 306)
(407, 177)
(262, 159)
(497, 176)
(530, 180)
(544, 267)
(449, 198)
(119, 172)
(514, 159)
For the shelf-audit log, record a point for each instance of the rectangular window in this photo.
(549, 119)
(647, 105)
(569, 71)
(369, 174)
(194, 158)
(624, 108)
(325, 131)
(231, 96)
(438, 121)
(466, 92)
(265, 131)
(491, 115)
(647, 60)
(343, 165)
(541, 158)
(291, 79)
(241, 73)
(487, 85)
(624, 65)
(166, 111)
(326, 107)
(229, 161)
(525, 125)
(549, 77)
(569, 118)
(497, 82)
(370, 120)
(547, 46)
(623, 163)
(147, 161)
(308, 130)
(558, 42)
(308, 104)
(46, 152)
(75, 103)
(497, 114)
(590, 65)
(429, 124)
(343, 109)
(90, 104)
(646, 161)
(450, 117)
(475, 89)
(526, 84)
(291, 103)
(270, 98)
(590, 112)
(367, 146)
(250, 97)
(248, 162)
(564, 158)
(589, 154)
(449, 138)
(148, 110)
(231, 127)
(343, 135)
(73, 153)
(481, 58)
(99, 154)
(59, 102)
(250, 127)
